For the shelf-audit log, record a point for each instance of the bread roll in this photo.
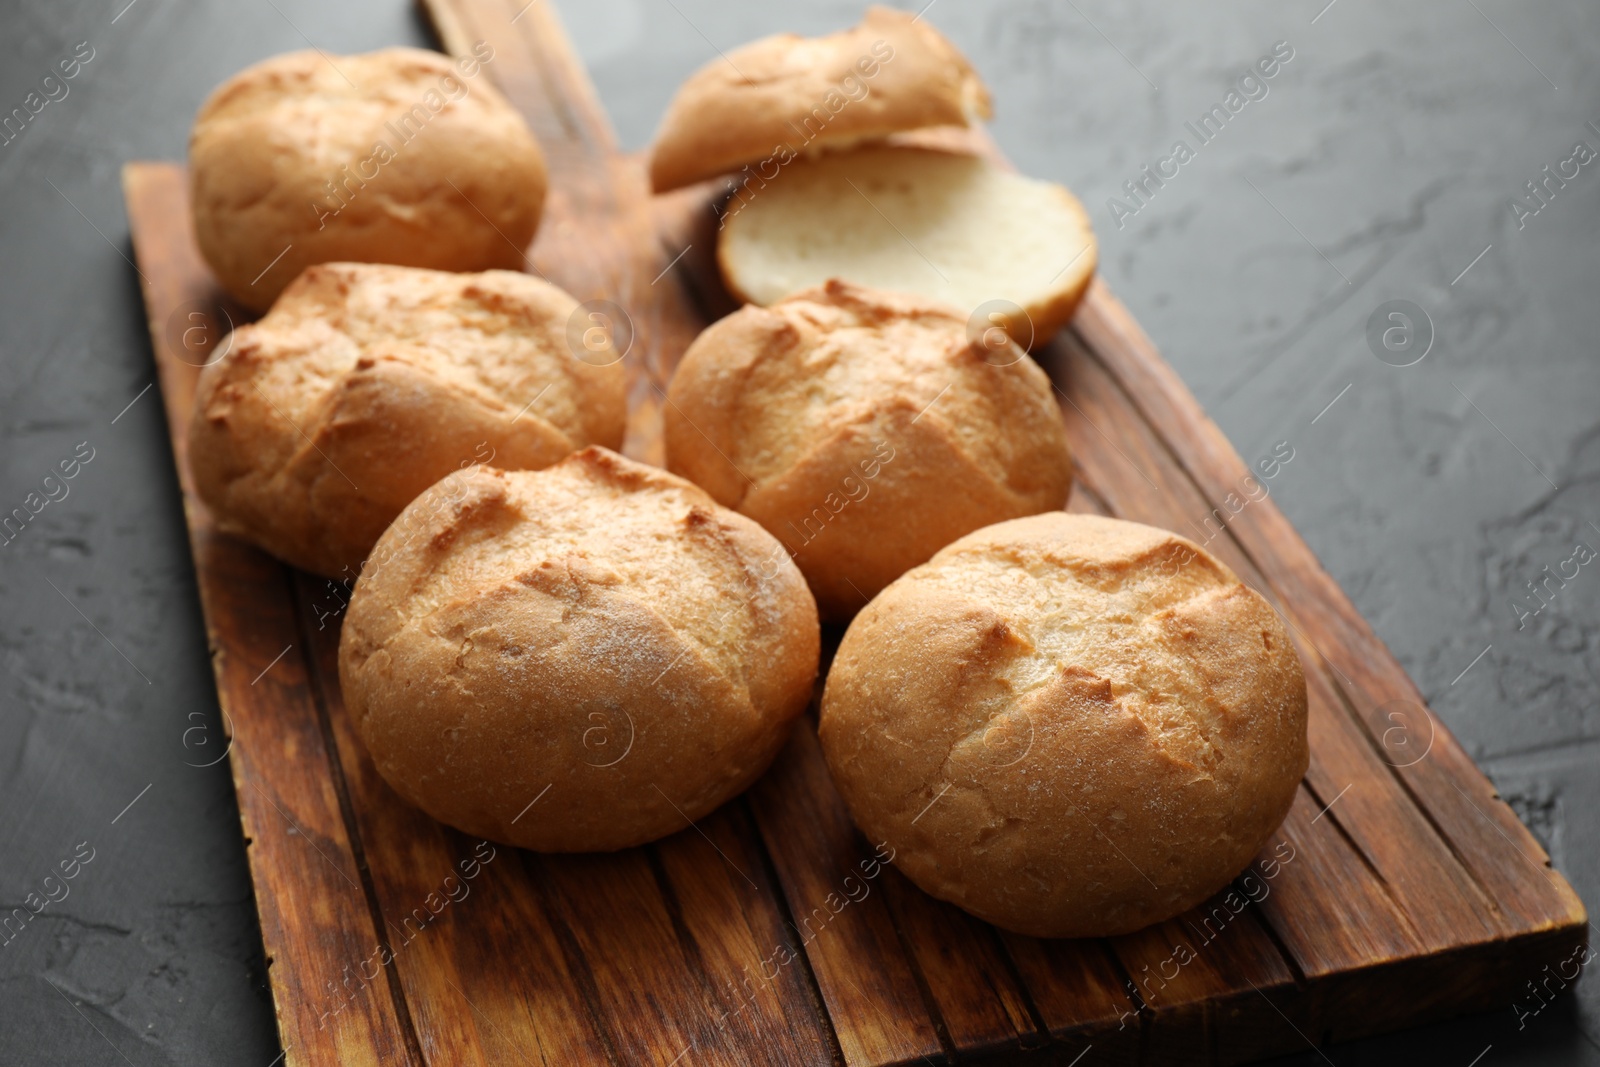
(1070, 726)
(598, 639)
(865, 430)
(398, 156)
(952, 228)
(366, 384)
(784, 96)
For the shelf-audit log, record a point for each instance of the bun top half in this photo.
(786, 95)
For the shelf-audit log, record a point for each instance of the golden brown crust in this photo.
(865, 430)
(285, 159)
(599, 629)
(785, 95)
(1071, 726)
(366, 384)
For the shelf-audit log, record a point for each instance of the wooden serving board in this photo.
(1400, 889)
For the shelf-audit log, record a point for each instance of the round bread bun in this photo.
(598, 639)
(1068, 725)
(947, 226)
(784, 96)
(866, 431)
(398, 156)
(366, 383)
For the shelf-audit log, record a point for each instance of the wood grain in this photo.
(319, 921)
(771, 932)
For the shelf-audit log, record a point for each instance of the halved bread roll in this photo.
(953, 228)
(785, 95)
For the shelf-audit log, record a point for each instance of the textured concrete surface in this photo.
(1378, 166)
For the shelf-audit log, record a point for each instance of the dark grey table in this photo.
(1381, 164)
